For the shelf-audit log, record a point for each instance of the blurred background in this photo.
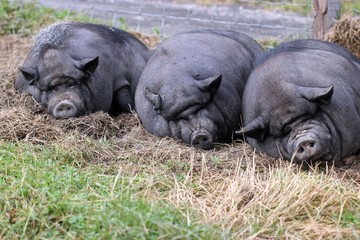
(261, 19)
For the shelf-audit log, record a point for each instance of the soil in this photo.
(99, 138)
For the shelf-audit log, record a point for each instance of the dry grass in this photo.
(346, 32)
(149, 41)
(279, 202)
(252, 195)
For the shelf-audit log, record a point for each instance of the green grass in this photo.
(26, 17)
(350, 218)
(299, 6)
(350, 6)
(46, 193)
(303, 7)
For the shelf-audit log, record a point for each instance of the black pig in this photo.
(77, 68)
(302, 102)
(192, 86)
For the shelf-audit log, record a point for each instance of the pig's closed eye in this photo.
(71, 82)
(205, 98)
(65, 82)
(157, 103)
(289, 126)
(154, 98)
(188, 111)
(287, 129)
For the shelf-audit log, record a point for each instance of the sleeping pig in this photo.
(78, 68)
(192, 86)
(302, 102)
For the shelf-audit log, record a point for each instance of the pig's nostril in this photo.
(201, 141)
(306, 145)
(306, 150)
(198, 140)
(64, 109)
(301, 150)
(204, 139)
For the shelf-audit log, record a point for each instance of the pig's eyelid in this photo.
(86, 76)
(288, 129)
(289, 125)
(58, 83)
(70, 81)
(157, 102)
(45, 89)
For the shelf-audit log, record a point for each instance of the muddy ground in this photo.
(102, 139)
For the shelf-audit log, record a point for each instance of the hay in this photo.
(346, 32)
(19, 124)
(97, 125)
(149, 41)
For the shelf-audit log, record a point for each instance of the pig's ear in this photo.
(317, 94)
(210, 84)
(30, 74)
(88, 65)
(155, 99)
(255, 129)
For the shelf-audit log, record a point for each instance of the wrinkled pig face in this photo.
(307, 141)
(184, 98)
(61, 84)
(296, 130)
(186, 108)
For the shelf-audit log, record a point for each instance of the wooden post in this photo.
(325, 14)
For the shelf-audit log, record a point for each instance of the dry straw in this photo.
(346, 32)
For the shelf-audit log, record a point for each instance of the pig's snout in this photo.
(64, 109)
(66, 105)
(307, 150)
(202, 140)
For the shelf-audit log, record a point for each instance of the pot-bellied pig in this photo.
(192, 86)
(78, 68)
(302, 102)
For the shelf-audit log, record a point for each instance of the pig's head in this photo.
(289, 121)
(185, 111)
(59, 82)
(183, 99)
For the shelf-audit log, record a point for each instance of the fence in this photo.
(259, 19)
